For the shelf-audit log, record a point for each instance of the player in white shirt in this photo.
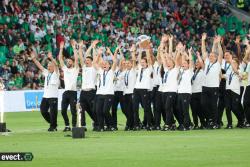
(119, 88)
(129, 82)
(246, 100)
(142, 85)
(169, 87)
(232, 96)
(210, 90)
(185, 90)
(225, 69)
(195, 103)
(49, 104)
(105, 88)
(88, 91)
(166, 45)
(69, 96)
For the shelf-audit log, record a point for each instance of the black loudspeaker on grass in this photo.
(78, 132)
(3, 127)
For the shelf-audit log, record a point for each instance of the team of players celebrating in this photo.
(165, 86)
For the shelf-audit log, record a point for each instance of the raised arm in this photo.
(37, 63)
(234, 67)
(81, 53)
(203, 46)
(237, 42)
(61, 61)
(200, 59)
(92, 46)
(73, 44)
(190, 57)
(171, 45)
(114, 58)
(133, 52)
(220, 50)
(96, 59)
(247, 55)
(53, 61)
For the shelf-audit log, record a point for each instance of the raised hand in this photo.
(95, 42)
(204, 36)
(50, 55)
(80, 44)
(73, 43)
(61, 45)
(237, 40)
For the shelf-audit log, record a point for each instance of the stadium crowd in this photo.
(42, 25)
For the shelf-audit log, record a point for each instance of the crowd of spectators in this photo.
(42, 25)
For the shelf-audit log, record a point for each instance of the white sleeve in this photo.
(45, 72)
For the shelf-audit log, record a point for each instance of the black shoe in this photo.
(166, 128)
(126, 128)
(136, 128)
(85, 129)
(7, 130)
(196, 127)
(173, 127)
(52, 129)
(157, 128)
(229, 127)
(201, 127)
(181, 128)
(95, 128)
(115, 128)
(247, 125)
(143, 127)
(109, 129)
(67, 129)
(149, 128)
(240, 125)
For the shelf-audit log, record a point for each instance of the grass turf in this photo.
(209, 148)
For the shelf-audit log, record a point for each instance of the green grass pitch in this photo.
(201, 148)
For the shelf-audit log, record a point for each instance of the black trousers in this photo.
(247, 103)
(209, 100)
(128, 109)
(87, 100)
(221, 104)
(233, 103)
(69, 98)
(242, 105)
(103, 106)
(197, 110)
(151, 95)
(118, 98)
(49, 110)
(159, 109)
(169, 102)
(183, 101)
(141, 96)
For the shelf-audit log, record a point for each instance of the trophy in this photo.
(143, 41)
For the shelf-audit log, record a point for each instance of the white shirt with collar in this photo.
(157, 74)
(119, 84)
(185, 85)
(198, 81)
(70, 78)
(233, 82)
(88, 78)
(106, 82)
(212, 74)
(143, 80)
(129, 81)
(170, 83)
(51, 84)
